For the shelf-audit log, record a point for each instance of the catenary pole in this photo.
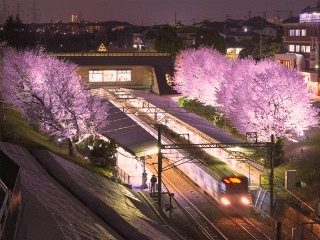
(159, 166)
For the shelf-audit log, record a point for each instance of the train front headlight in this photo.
(245, 200)
(225, 201)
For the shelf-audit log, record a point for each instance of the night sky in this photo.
(149, 12)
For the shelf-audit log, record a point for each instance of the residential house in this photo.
(301, 40)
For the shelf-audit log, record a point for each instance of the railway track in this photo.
(213, 222)
(255, 232)
(209, 230)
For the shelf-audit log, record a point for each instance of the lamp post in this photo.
(59, 140)
(144, 173)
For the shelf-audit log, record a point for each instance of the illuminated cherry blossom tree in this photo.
(48, 91)
(200, 74)
(263, 97)
(269, 98)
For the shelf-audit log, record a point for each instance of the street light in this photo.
(59, 140)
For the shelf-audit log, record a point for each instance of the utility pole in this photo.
(159, 167)
(35, 15)
(18, 10)
(4, 11)
(175, 18)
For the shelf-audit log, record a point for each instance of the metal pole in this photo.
(144, 179)
(249, 175)
(159, 167)
(170, 195)
(278, 231)
(271, 175)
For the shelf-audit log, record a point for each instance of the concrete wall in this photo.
(291, 219)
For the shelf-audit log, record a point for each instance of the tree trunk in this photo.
(72, 147)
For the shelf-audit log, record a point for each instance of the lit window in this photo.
(230, 50)
(303, 48)
(307, 49)
(297, 32)
(303, 32)
(124, 75)
(168, 79)
(109, 75)
(95, 76)
(291, 48)
(291, 32)
(238, 50)
(297, 48)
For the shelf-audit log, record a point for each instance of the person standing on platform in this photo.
(153, 181)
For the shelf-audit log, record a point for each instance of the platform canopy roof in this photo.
(128, 134)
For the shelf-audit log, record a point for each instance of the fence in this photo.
(119, 173)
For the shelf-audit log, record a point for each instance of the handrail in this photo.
(3, 186)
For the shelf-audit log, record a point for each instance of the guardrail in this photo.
(122, 175)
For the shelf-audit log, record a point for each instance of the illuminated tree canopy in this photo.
(264, 97)
(200, 74)
(48, 91)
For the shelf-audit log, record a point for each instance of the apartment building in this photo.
(301, 40)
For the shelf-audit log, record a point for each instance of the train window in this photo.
(223, 187)
(234, 185)
(200, 173)
(231, 180)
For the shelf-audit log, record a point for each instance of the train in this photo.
(227, 187)
(234, 192)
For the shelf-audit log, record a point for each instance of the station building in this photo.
(137, 70)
